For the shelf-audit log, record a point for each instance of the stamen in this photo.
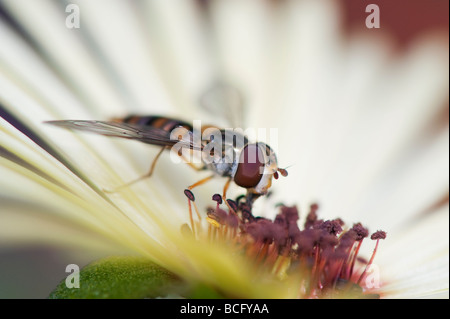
(361, 233)
(311, 218)
(375, 236)
(196, 211)
(232, 221)
(233, 205)
(217, 198)
(213, 221)
(378, 235)
(322, 256)
(189, 195)
(191, 219)
(332, 227)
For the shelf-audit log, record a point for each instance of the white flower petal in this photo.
(181, 49)
(63, 50)
(414, 262)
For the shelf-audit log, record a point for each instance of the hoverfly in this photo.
(235, 162)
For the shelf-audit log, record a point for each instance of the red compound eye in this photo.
(250, 167)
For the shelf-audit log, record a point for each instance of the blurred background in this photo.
(402, 21)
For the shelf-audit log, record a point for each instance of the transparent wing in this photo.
(225, 101)
(140, 133)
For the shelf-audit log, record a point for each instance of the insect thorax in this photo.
(221, 151)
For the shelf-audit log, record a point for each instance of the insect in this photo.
(249, 165)
(223, 152)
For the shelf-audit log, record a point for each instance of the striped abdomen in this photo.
(160, 122)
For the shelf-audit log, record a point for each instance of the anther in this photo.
(189, 195)
(232, 205)
(217, 198)
(332, 227)
(311, 218)
(361, 231)
(212, 221)
(378, 235)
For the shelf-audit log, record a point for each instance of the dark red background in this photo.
(403, 19)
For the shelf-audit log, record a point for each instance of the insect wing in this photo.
(224, 101)
(140, 133)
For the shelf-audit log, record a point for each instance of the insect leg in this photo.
(197, 168)
(200, 182)
(149, 174)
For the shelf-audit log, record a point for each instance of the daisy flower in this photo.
(355, 120)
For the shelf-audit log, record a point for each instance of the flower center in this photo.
(323, 254)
